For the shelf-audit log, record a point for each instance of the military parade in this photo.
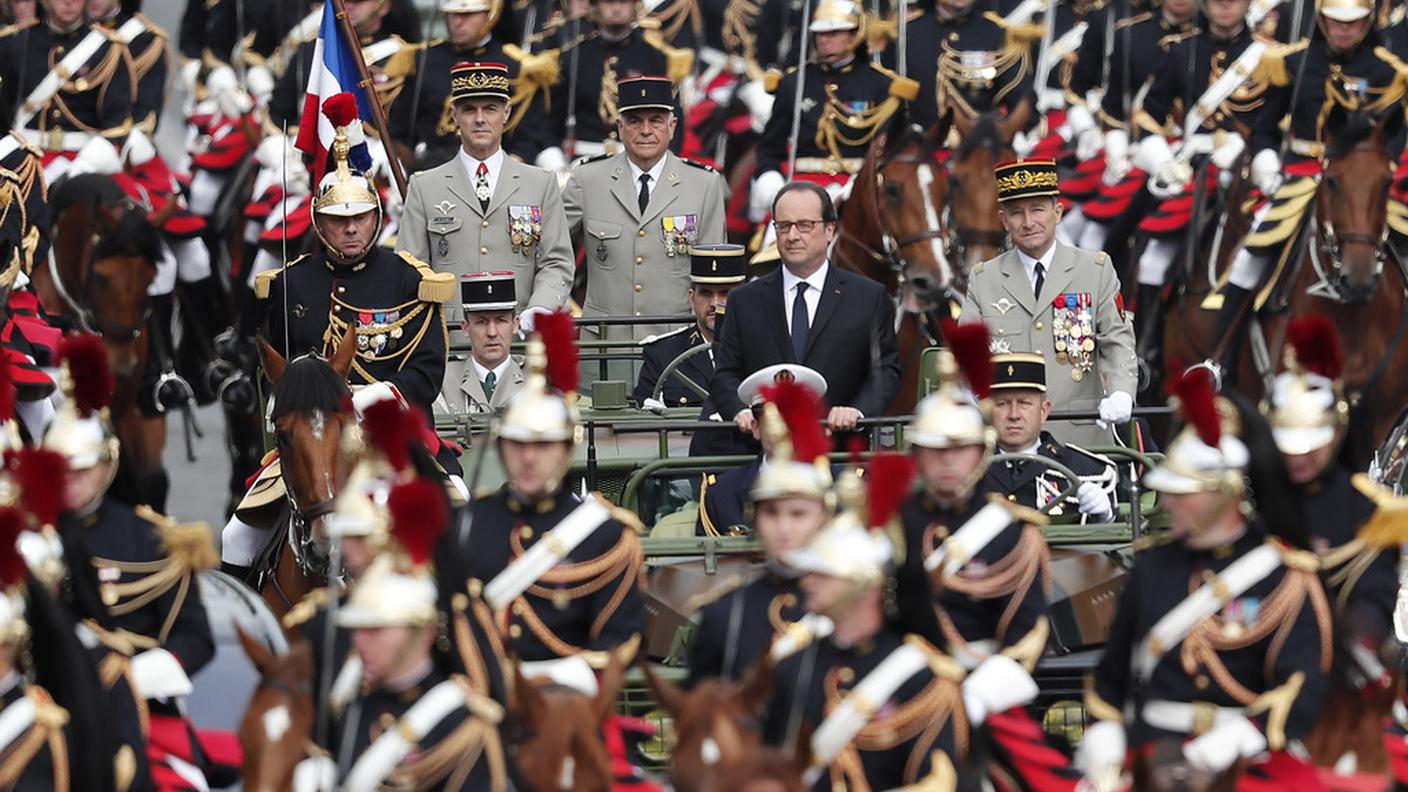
(703, 395)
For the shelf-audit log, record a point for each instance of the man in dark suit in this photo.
(791, 316)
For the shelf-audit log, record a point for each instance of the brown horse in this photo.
(717, 745)
(890, 231)
(558, 742)
(309, 417)
(101, 262)
(973, 229)
(277, 723)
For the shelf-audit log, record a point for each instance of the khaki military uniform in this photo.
(638, 263)
(1089, 350)
(463, 393)
(522, 231)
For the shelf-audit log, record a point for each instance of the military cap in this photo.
(645, 93)
(487, 291)
(750, 390)
(1027, 179)
(1019, 370)
(718, 264)
(474, 80)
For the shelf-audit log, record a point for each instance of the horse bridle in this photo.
(89, 318)
(957, 241)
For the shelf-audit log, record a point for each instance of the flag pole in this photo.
(367, 84)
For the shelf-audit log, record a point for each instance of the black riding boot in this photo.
(204, 315)
(1149, 328)
(240, 573)
(1230, 321)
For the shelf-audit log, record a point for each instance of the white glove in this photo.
(224, 88)
(1088, 144)
(998, 684)
(1094, 502)
(765, 188)
(1226, 155)
(1101, 754)
(758, 101)
(652, 405)
(1116, 156)
(1152, 153)
(157, 674)
(551, 159)
(1170, 178)
(1079, 121)
(138, 150)
(98, 155)
(190, 70)
(368, 395)
(1115, 409)
(314, 774)
(1023, 144)
(1266, 171)
(1225, 744)
(529, 318)
(1048, 99)
(260, 84)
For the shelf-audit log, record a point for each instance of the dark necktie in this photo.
(644, 192)
(800, 324)
(481, 187)
(489, 380)
(1040, 279)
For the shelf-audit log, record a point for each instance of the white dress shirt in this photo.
(471, 166)
(655, 172)
(812, 296)
(481, 371)
(1029, 264)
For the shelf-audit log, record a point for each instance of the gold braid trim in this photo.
(1349, 562)
(1010, 577)
(188, 549)
(49, 720)
(306, 608)
(1276, 703)
(142, 64)
(606, 103)
(1097, 707)
(775, 608)
(537, 72)
(453, 758)
(467, 647)
(1030, 648)
(704, 518)
(337, 328)
(673, 19)
(836, 117)
(738, 36)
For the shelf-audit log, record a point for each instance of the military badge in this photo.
(376, 331)
(680, 232)
(525, 227)
(442, 246)
(1073, 333)
(1239, 617)
(445, 207)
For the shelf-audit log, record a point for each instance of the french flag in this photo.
(334, 71)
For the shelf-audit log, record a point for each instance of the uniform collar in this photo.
(518, 505)
(656, 171)
(498, 370)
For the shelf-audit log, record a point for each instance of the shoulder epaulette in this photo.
(773, 78)
(1174, 38)
(10, 30)
(264, 281)
(940, 664)
(152, 27)
(541, 69)
(597, 158)
(650, 339)
(1102, 258)
(1130, 21)
(436, 287)
(700, 165)
(625, 517)
(26, 145)
(1295, 558)
(304, 609)
(1272, 67)
(900, 87)
(679, 62)
(715, 593)
(188, 545)
(1018, 35)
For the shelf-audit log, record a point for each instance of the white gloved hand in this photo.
(368, 395)
(551, 159)
(758, 101)
(998, 684)
(1088, 144)
(1266, 171)
(224, 88)
(1115, 409)
(138, 150)
(1022, 143)
(1226, 155)
(1170, 179)
(1225, 744)
(98, 155)
(765, 188)
(1079, 121)
(190, 70)
(1152, 153)
(529, 318)
(1093, 502)
(1116, 156)
(314, 774)
(1101, 754)
(653, 405)
(260, 84)
(1048, 99)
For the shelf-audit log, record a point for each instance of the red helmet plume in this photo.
(969, 345)
(40, 475)
(390, 427)
(1317, 345)
(558, 332)
(87, 361)
(887, 485)
(1196, 401)
(419, 514)
(800, 408)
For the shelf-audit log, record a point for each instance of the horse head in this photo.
(717, 744)
(558, 731)
(1352, 205)
(101, 262)
(975, 232)
(276, 725)
(309, 415)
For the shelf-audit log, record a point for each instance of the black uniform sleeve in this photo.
(914, 598)
(190, 638)
(706, 647)
(1111, 678)
(628, 620)
(285, 103)
(1167, 85)
(192, 33)
(420, 378)
(1267, 132)
(1301, 654)
(151, 88)
(118, 98)
(650, 368)
(1089, 68)
(771, 151)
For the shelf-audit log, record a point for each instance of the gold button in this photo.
(684, 400)
(341, 289)
(526, 532)
(641, 232)
(637, 287)
(1012, 497)
(1038, 351)
(514, 631)
(640, 259)
(846, 675)
(483, 251)
(1038, 324)
(484, 224)
(1200, 682)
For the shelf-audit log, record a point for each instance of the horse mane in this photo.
(134, 235)
(986, 134)
(309, 384)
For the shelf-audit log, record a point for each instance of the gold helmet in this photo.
(398, 588)
(957, 415)
(1306, 407)
(346, 190)
(857, 545)
(796, 443)
(494, 8)
(545, 410)
(81, 431)
(1343, 11)
(1207, 455)
(833, 15)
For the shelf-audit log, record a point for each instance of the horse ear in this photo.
(1015, 121)
(758, 687)
(258, 654)
(1390, 123)
(342, 359)
(1334, 122)
(609, 687)
(269, 358)
(962, 123)
(670, 696)
(938, 133)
